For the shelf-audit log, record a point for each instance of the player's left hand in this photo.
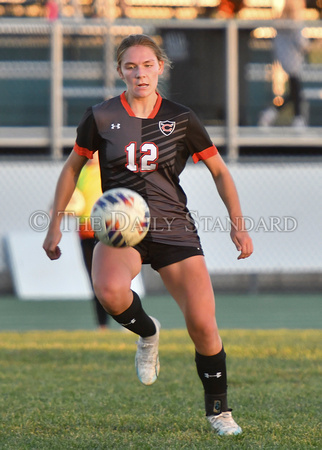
(243, 243)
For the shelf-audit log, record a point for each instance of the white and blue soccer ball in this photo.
(120, 218)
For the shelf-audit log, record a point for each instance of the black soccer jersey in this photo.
(148, 155)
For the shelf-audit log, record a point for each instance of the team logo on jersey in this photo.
(167, 127)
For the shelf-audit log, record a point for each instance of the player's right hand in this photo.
(54, 254)
(50, 245)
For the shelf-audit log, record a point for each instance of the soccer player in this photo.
(144, 142)
(88, 190)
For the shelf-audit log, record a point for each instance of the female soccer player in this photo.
(144, 141)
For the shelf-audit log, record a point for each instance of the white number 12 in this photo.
(148, 158)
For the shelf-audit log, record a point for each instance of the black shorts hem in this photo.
(160, 255)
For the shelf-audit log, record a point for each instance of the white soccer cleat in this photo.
(147, 357)
(224, 424)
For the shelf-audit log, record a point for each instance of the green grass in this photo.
(78, 390)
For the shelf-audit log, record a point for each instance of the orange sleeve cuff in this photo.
(205, 154)
(82, 151)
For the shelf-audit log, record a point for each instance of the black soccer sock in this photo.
(213, 375)
(135, 319)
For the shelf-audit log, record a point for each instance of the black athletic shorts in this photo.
(161, 255)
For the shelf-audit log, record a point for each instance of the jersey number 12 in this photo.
(148, 159)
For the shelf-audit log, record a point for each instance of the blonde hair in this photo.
(146, 41)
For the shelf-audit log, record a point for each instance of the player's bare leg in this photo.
(189, 283)
(112, 273)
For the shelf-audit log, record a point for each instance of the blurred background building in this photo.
(146, 9)
(57, 57)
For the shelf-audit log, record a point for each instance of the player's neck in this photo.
(142, 107)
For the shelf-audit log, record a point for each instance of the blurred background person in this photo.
(52, 10)
(229, 8)
(226, 9)
(289, 48)
(88, 190)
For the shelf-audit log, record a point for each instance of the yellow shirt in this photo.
(88, 190)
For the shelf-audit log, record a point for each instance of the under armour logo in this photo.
(130, 323)
(115, 125)
(216, 375)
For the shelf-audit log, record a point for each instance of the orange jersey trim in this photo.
(156, 107)
(205, 154)
(126, 105)
(82, 151)
(130, 112)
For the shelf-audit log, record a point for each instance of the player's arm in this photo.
(228, 192)
(64, 190)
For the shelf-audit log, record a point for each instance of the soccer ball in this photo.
(120, 218)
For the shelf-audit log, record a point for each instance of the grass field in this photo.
(78, 390)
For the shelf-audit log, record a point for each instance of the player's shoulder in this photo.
(174, 107)
(107, 105)
(182, 113)
(106, 111)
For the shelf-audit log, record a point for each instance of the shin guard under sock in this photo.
(213, 375)
(135, 319)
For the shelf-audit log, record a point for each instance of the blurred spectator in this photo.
(228, 8)
(225, 10)
(88, 190)
(123, 7)
(289, 49)
(52, 10)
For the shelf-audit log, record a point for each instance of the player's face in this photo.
(140, 70)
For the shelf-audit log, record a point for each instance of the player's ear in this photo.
(161, 67)
(119, 71)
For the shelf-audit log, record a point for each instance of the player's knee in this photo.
(203, 331)
(111, 296)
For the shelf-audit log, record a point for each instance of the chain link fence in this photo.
(227, 71)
